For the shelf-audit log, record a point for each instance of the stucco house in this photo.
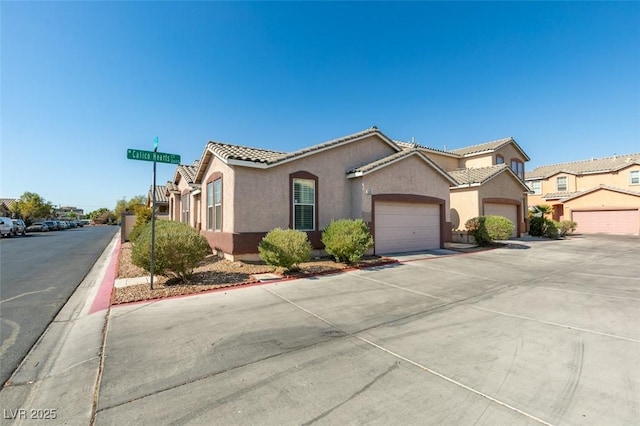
(602, 195)
(489, 181)
(162, 201)
(240, 193)
(235, 194)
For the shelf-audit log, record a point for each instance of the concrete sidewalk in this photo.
(57, 382)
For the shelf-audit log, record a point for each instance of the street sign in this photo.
(160, 157)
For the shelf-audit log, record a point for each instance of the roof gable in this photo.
(600, 188)
(186, 172)
(489, 147)
(237, 155)
(394, 158)
(477, 176)
(592, 166)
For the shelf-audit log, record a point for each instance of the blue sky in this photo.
(83, 81)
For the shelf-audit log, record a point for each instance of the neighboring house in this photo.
(489, 181)
(183, 195)
(5, 206)
(601, 194)
(162, 201)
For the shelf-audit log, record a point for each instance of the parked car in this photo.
(38, 227)
(51, 224)
(6, 227)
(19, 227)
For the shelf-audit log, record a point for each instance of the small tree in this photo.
(178, 249)
(143, 216)
(285, 248)
(566, 227)
(347, 240)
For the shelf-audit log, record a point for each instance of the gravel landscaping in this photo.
(214, 273)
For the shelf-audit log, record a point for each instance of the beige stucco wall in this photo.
(409, 176)
(619, 179)
(484, 160)
(444, 161)
(465, 204)
(267, 190)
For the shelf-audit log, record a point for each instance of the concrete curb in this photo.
(57, 382)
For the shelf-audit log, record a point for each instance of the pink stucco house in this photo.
(235, 194)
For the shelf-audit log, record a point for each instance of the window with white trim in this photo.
(561, 184)
(634, 177)
(217, 203)
(210, 206)
(304, 204)
(536, 186)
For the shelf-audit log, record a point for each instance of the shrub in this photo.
(537, 226)
(498, 227)
(143, 216)
(285, 248)
(347, 240)
(566, 227)
(551, 229)
(476, 227)
(178, 249)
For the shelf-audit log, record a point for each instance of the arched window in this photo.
(499, 159)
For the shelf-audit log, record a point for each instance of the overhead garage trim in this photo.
(410, 199)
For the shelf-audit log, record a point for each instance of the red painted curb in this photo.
(103, 297)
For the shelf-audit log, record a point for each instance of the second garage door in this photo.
(405, 227)
(607, 221)
(510, 211)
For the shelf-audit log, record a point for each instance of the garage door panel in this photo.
(403, 227)
(607, 221)
(510, 211)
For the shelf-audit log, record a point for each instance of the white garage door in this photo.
(405, 227)
(607, 221)
(510, 211)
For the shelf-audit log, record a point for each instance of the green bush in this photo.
(285, 248)
(537, 226)
(476, 228)
(498, 227)
(178, 249)
(566, 227)
(143, 216)
(347, 240)
(551, 229)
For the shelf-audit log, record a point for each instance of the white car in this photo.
(6, 227)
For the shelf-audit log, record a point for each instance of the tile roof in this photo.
(560, 195)
(409, 145)
(188, 172)
(161, 194)
(171, 187)
(601, 186)
(7, 201)
(237, 152)
(594, 165)
(477, 175)
(487, 146)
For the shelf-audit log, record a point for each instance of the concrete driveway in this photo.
(543, 332)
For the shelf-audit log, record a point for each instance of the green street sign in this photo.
(160, 157)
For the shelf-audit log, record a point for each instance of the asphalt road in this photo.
(38, 274)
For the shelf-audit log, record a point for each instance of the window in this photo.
(536, 186)
(185, 208)
(517, 167)
(499, 159)
(304, 204)
(635, 177)
(561, 184)
(214, 205)
(217, 203)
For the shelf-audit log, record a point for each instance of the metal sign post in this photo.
(156, 157)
